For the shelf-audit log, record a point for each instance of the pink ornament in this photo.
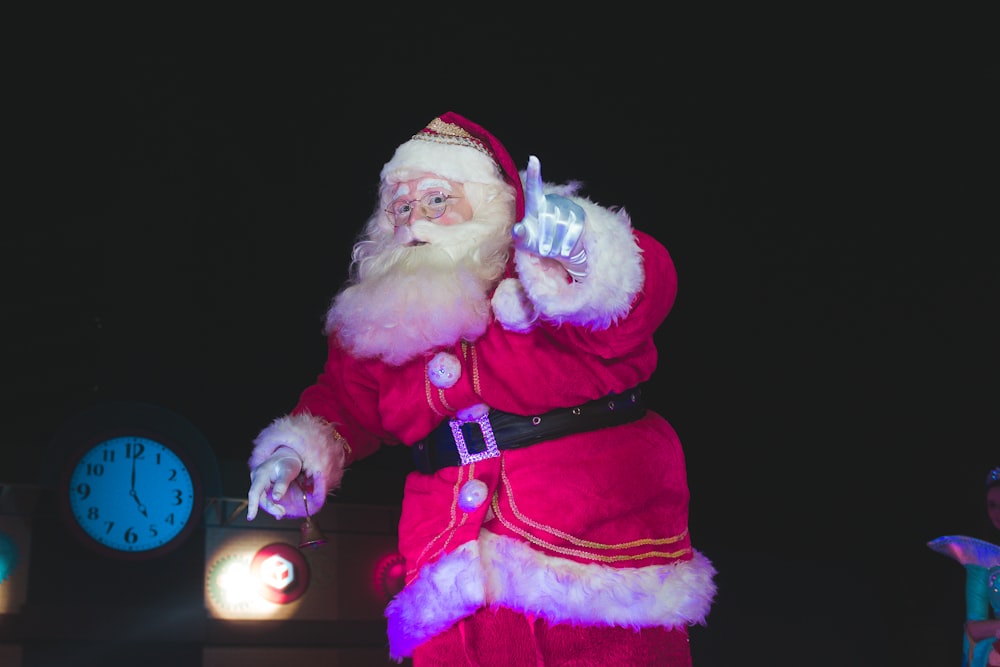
(444, 370)
(472, 494)
(472, 413)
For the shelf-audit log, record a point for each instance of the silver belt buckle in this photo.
(491, 451)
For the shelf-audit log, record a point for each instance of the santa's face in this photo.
(422, 275)
(430, 211)
(428, 197)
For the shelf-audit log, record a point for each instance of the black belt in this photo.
(454, 442)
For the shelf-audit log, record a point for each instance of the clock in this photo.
(133, 494)
(134, 479)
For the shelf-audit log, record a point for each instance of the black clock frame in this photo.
(124, 419)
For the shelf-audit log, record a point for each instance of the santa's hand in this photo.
(270, 480)
(552, 226)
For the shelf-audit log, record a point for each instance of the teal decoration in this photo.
(9, 557)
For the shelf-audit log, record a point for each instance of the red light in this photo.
(390, 575)
(281, 573)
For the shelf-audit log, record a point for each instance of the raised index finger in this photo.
(534, 195)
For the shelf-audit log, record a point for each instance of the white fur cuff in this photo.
(614, 274)
(319, 446)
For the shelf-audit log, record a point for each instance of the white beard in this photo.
(410, 299)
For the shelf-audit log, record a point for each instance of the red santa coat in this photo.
(588, 528)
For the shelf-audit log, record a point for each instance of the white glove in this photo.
(270, 480)
(552, 226)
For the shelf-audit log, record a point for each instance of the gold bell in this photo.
(312, 536)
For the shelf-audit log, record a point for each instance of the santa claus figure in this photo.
(502, 327)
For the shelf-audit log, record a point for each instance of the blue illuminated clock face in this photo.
(133, 495)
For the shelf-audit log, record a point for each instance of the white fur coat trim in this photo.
(506, 572)
(426, 155)
(319, 446)
(446, 591)
(511, 306)
(614, 274)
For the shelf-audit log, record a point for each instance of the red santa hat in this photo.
(459, 150)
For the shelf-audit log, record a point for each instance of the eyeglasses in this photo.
(433, 205)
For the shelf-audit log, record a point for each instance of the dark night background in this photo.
(182, 211)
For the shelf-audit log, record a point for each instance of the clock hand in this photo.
(142, 508)
(135, 496)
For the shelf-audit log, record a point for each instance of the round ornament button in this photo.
(444, 370)
(472, 495)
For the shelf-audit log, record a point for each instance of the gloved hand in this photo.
(552, 225)
(270, 480)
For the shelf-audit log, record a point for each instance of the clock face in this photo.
(133, 494)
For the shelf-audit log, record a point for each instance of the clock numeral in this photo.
(173, 475)
(83, 490)
(93, 513)
(110, 525)
(135, 450)
(130, 536)
(169, 519)
(106, 455)
(97, 469)
(177, 497)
